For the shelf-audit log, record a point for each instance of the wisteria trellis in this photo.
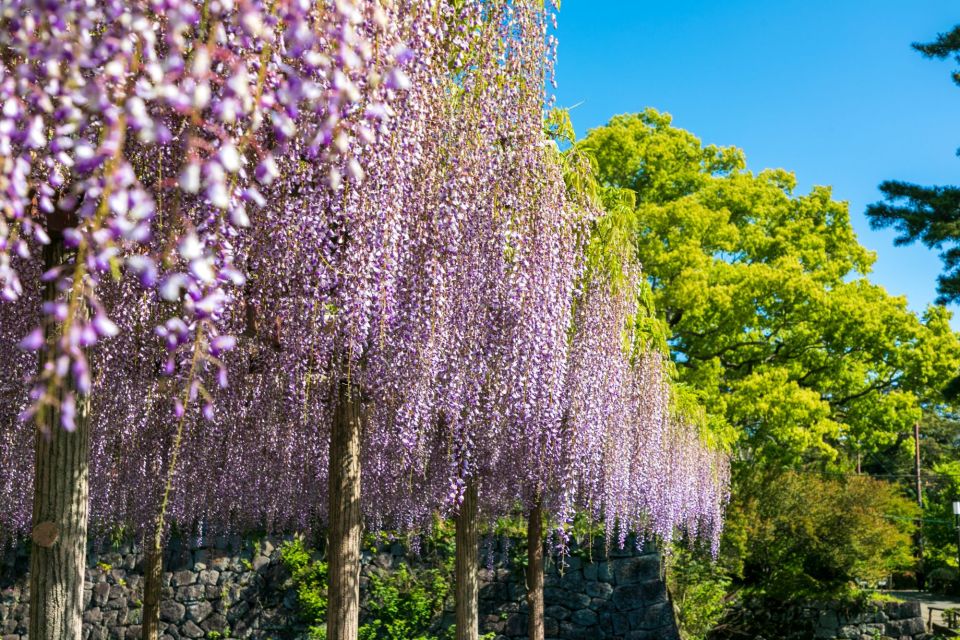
(264, 198)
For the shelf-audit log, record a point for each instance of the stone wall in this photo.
(620, 596)
(240, 589)
(870, 620)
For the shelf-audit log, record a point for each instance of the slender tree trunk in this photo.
(152, 583)
(535, 572)
(60, 505)
(467, 564)
(343, 610)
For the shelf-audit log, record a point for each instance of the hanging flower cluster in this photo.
(144, 133)
(268, 200)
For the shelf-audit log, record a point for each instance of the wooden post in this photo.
(60, 503)
(343, 611)
(467, 565)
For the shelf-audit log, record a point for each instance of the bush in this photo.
(403, 604)
(698, 587)
(310, 580)
(811, 535)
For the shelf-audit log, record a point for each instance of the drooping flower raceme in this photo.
(144, 133)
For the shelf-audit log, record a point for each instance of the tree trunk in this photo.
(343, 610)
(60, 506)
(152, 584)
(467, 563)
(535, 572)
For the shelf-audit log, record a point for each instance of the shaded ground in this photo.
(928, 601)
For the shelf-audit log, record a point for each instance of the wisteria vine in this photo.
(267, 199)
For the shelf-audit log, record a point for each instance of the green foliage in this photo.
(928, 214)
(402, 604)
(946, 45)
(310, 580)
(812, 535)
(698, 587)
(785, 353)
(775, 328)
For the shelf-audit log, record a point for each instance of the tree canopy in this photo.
(775, 325)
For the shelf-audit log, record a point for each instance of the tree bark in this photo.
(467, 564)
(343, 610)
(535, 572)
(152, 584)
(60, 505)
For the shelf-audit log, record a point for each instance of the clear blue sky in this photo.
(830, 90)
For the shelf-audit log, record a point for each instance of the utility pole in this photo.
(921, 578)
(916, 462)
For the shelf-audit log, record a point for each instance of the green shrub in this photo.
(310, 580)
(698, 587)
(403, 604)
(810, 535)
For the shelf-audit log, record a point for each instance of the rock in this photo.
(598, 589)
(584, 618)
(551, 626)
(171, 611)
(238, 611)
(556, 612)
(134, 616)
(183, 578)
(93, 616)
(495, 591)
(198, 612)
(628, 598)
(628, 571)
(655, 616)
(603, 572)
(590, 571)
(191, 630)
(216, 622)
(191, 593)
(209, 577)
(260, 562)
(516, 625)
(101, 592)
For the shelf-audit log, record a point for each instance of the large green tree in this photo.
(765, 291)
